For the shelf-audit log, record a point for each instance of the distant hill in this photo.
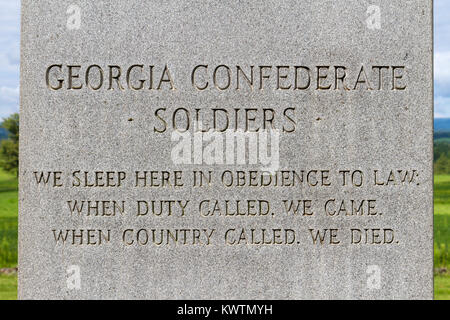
(3, 133)
(442, 130)
(442, 124)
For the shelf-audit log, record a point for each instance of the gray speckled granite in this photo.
(70, 130)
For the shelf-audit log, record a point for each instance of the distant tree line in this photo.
(9, 148)
(441, 135)
(3, 133)
(442, 153)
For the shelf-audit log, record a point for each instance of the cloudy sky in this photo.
(441, 58)
(9, 57)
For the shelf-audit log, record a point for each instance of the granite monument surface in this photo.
(226, 150)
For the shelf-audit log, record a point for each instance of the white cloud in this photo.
(6, 111)
(9, 101)
(9, 19)
(442, 74)
(13, 54)
(9, 62)
(442, 67)
(442, 25)
(9, 94)
(441, 107)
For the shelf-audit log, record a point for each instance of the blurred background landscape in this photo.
(442, 208)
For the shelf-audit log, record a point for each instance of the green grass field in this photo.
(442, 235)
(442, 287)
(8, 235)
(8, 220)
(442, 221)
(8, 287)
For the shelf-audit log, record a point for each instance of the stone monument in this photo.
(226, 150)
